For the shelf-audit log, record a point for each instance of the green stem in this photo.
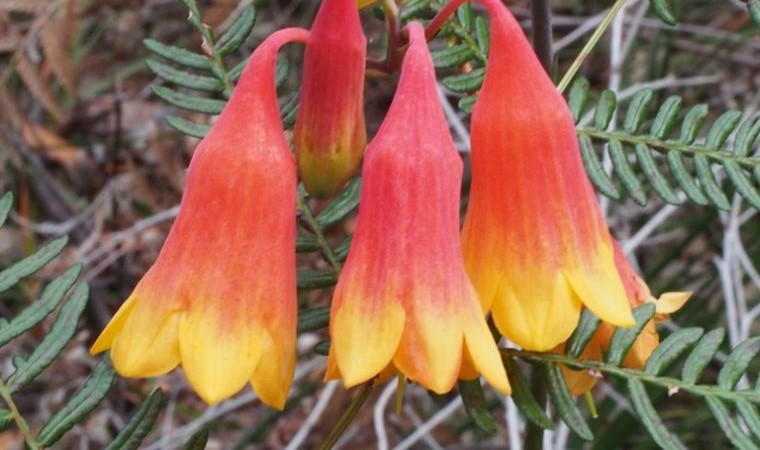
(220, 68)
(534, 434)
(324, 246)
(348, 416)
(593, 40)
(20, 422)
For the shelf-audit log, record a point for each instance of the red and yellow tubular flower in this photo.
(535, 242)
(638, 293)
(403, 300)
(221, 298)
(329, 134)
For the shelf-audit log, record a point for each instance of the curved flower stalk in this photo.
(403, 301)
(221, 298)
(329, 134)
(535, 243)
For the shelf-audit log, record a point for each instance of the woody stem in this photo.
(541, 14)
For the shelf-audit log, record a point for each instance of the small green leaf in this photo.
(482, 35)
(178, 55)
(6, 418)
(453, 56)
(467, 103)
(6, 201)
(85, 400)
(747, 136)
(341, 251)
(465, 16)
(37, 311)
(721, 129)
(605, 109)
(595, 171)
(306, 244)
(198, 130)
(683, 178)
(55, 340)
(474, 400)
(238, 32)
(587, 326)
(281, 72)
(523, 398)
(709, 184)
(313, 319)
(692, 123)
(339, 208)
(727, 424)
(754, 10)
(197, 441)
(289, 110)
(741, 181)
(666, 116)
(565, 403)
(624, 170)
(184, 101)
(737, 362)
(671, 348)
(314, 279)
(623, 338)
(183, 78)
(702, 354)
(664, 11)
(139, 425)
(466, 82)
(648, 415)
(413, 8)
(32, 263)
(749, 413)
(653, 174)
(578, 97)
(322, 348)
(637, 110)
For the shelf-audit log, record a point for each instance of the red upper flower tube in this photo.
(329, 134)
(535, 243)
(403, 300)
(221, 298)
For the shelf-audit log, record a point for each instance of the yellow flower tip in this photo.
(670, 302)
(364, 3)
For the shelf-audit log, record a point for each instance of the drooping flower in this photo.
(221, 298)
(329, 134)
(638, 294)
(535, 242)
(403, 300)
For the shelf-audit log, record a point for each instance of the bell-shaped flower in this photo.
(403, 301)
(329, 134)
(638, 294)
(221, 298)
(535, 242)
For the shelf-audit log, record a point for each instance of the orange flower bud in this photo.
(329, 134)
(403, 300)
(221, 298)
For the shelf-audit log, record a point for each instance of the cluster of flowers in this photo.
(413, 295)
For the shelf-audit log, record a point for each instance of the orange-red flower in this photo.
(329, 134)
(535, 243)
(221, 298)
(403, 300)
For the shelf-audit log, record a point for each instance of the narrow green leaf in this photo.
(32, 263)
(314, 279)
(305, 244)
(664, 11)
(183, 78)
(648, 415)
(747, 136)
(453, 56)
(741, 181)
(465, 16)
(482, 34)
(587, 326)
(322, 348)
(754, 10)
(6, 418)
(692, 123)
(595, 170)
(474, 400)
(198, 130)
(727, 424)
(709, 184)
(339, 208)
(466, 82)
(238, 32)
(721, 129)
(654, 176)
(683, 178)
(671, 348)
(467, 103)
(178, 55)
(703, 353)
(281, 72)
(6, 201)
(623, 338)
(184, 101)
(666, 116)
(565, 403)
(523, 398)
(37, 311)
(289, 110)
(55, 340)
(577, 98)
(413, 8)
(737, 362)
(638, 110)
(341, 250)
(605, 109)
(85, 400)
(139, 425)
(750, 415)
(756, 172)
(313, 319)
(197, 441)
(624, 170)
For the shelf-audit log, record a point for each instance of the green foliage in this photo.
(140, 424)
